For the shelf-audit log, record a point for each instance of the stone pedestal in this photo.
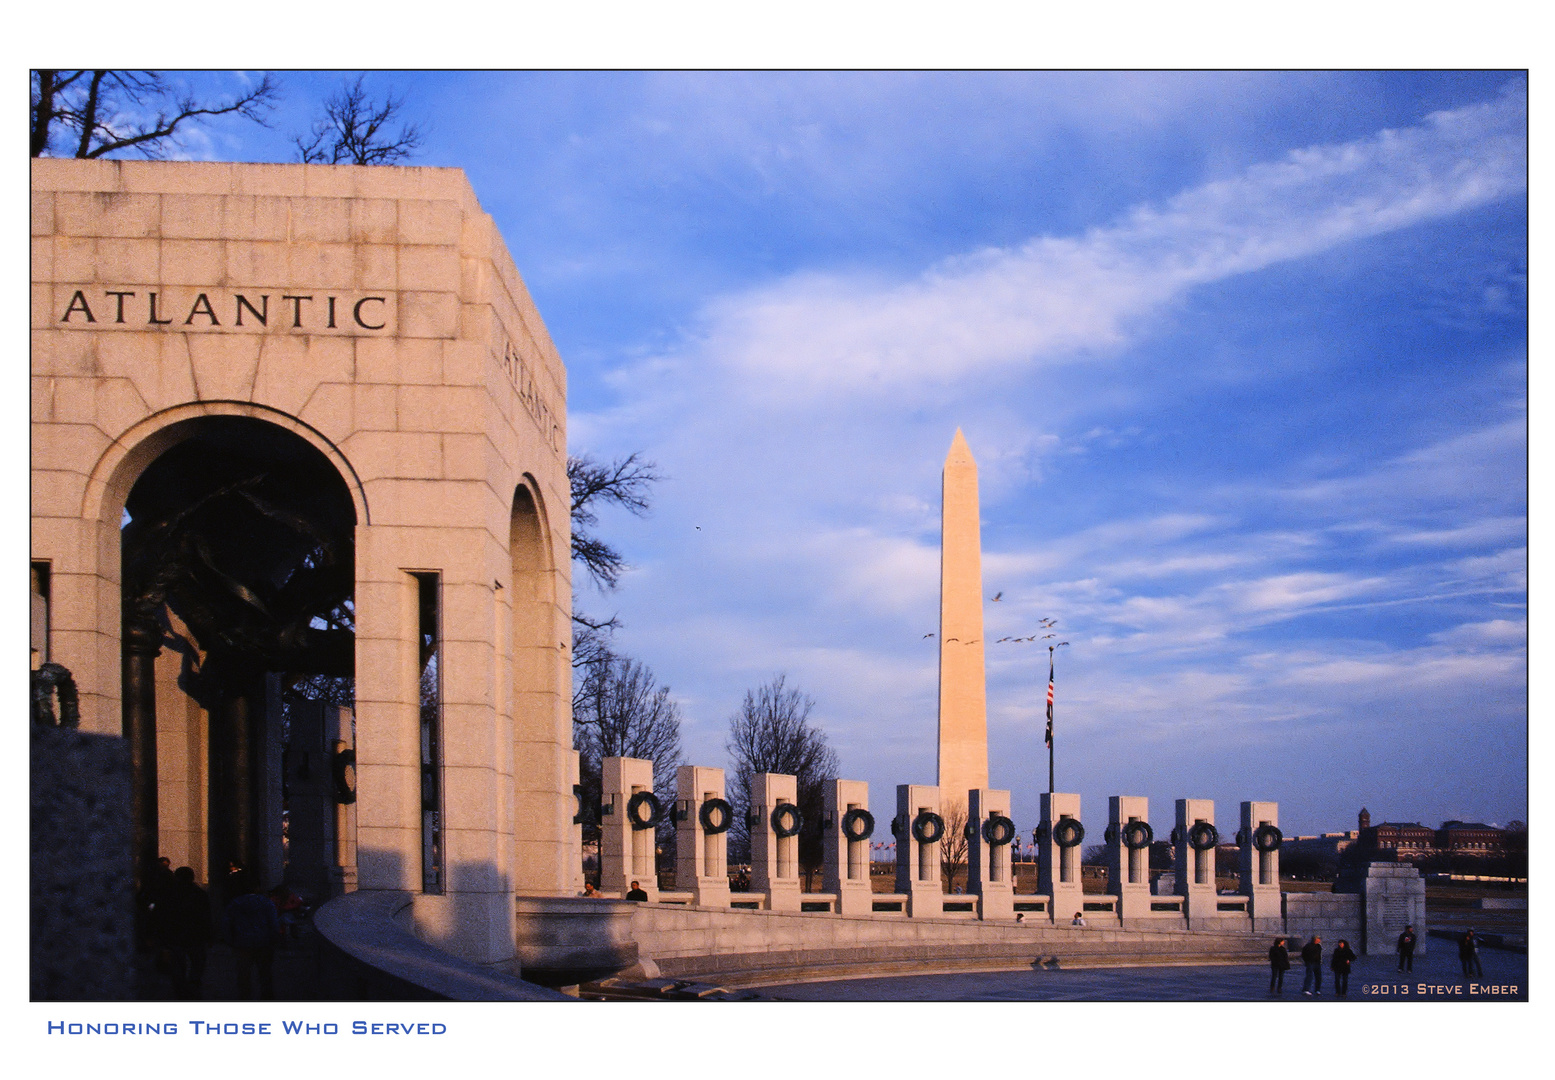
(321, 828)
(627, 846)
(1128, 868)
(1392, 897)
(988, 862)
(918, 863)
(845, 870)
(1260, 870)
(1058, 863)
(774, 858)
(1195, 868)
(700, 864)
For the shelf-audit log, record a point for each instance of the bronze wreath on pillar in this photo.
(1137, 834)
(998, 830)
(1068, 832)
(786, 820)
(1268, 838)
(342, 768)
(928, 827)
(634, 810)
(716, 815)
(1203, 836)
(858, 824)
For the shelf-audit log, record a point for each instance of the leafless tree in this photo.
(954, 847)
(620, 710)
(358, 130)
(94, 113)
(772, 734)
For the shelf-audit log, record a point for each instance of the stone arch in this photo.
(123, 462)
(267, 543)
(540, 644)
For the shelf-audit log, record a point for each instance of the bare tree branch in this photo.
(355, 130)
(624, 483)
(105, 110)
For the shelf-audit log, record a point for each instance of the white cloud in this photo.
(1055, 298)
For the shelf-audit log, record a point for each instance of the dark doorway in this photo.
(238, 552)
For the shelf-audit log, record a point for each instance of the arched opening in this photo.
(542, 719)
(238, 573)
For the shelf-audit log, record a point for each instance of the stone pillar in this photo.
(1392, 897)
(310, 841)
(627, 845)
(774, 858)
(142, 643)
(845, 867)
(918, 863)
(988, 870)
(1059, 847)
(1260, 869)
(963, 706)
(700, 864)
(1195, 866)
(1128, 853)
(340, 738)
(579, 814)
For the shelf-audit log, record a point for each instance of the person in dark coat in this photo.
(253, 928)
(1279, 964)
(1406, 949)
(1312, 957)
(636, 892)
(1468, 955)
(1343, 957)
(188, 931)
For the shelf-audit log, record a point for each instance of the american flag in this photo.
(1048, 739)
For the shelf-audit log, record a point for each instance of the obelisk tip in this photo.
(960, 452)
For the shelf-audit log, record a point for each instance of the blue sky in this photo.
(1242, 358)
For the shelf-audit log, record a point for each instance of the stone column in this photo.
(988, 853)
(701, 867)
(1260, 870)
(1060, 843)
(142, 643)
(1128, 868)
(963, 706)
(918, 863)
(846, 867)
(340, 738)
(627, 845)
(1195, 866)
(774, 858)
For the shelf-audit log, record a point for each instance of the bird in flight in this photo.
(1046, 636)
(928, 635)
(997, 597)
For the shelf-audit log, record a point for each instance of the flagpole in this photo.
(1049, 740)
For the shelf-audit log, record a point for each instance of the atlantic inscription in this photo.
(250, 310)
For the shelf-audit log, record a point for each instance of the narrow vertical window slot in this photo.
(433, 855)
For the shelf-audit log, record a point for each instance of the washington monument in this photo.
(963, 699)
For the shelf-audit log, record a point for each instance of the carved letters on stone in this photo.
(252, 311)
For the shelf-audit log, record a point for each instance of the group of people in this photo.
(1312, 959)
(1343, 957)
(176, 925)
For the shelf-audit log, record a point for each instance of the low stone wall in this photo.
(745, 948)
(82, 890)
(1328, 915)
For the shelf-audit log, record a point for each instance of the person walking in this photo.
(1343, 957)
(1312, 957)
(1468, 955)
(1406, 949)
(188, 933)
(253, 928)
(1279, 964)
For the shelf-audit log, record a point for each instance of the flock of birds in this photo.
(1046, 624)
